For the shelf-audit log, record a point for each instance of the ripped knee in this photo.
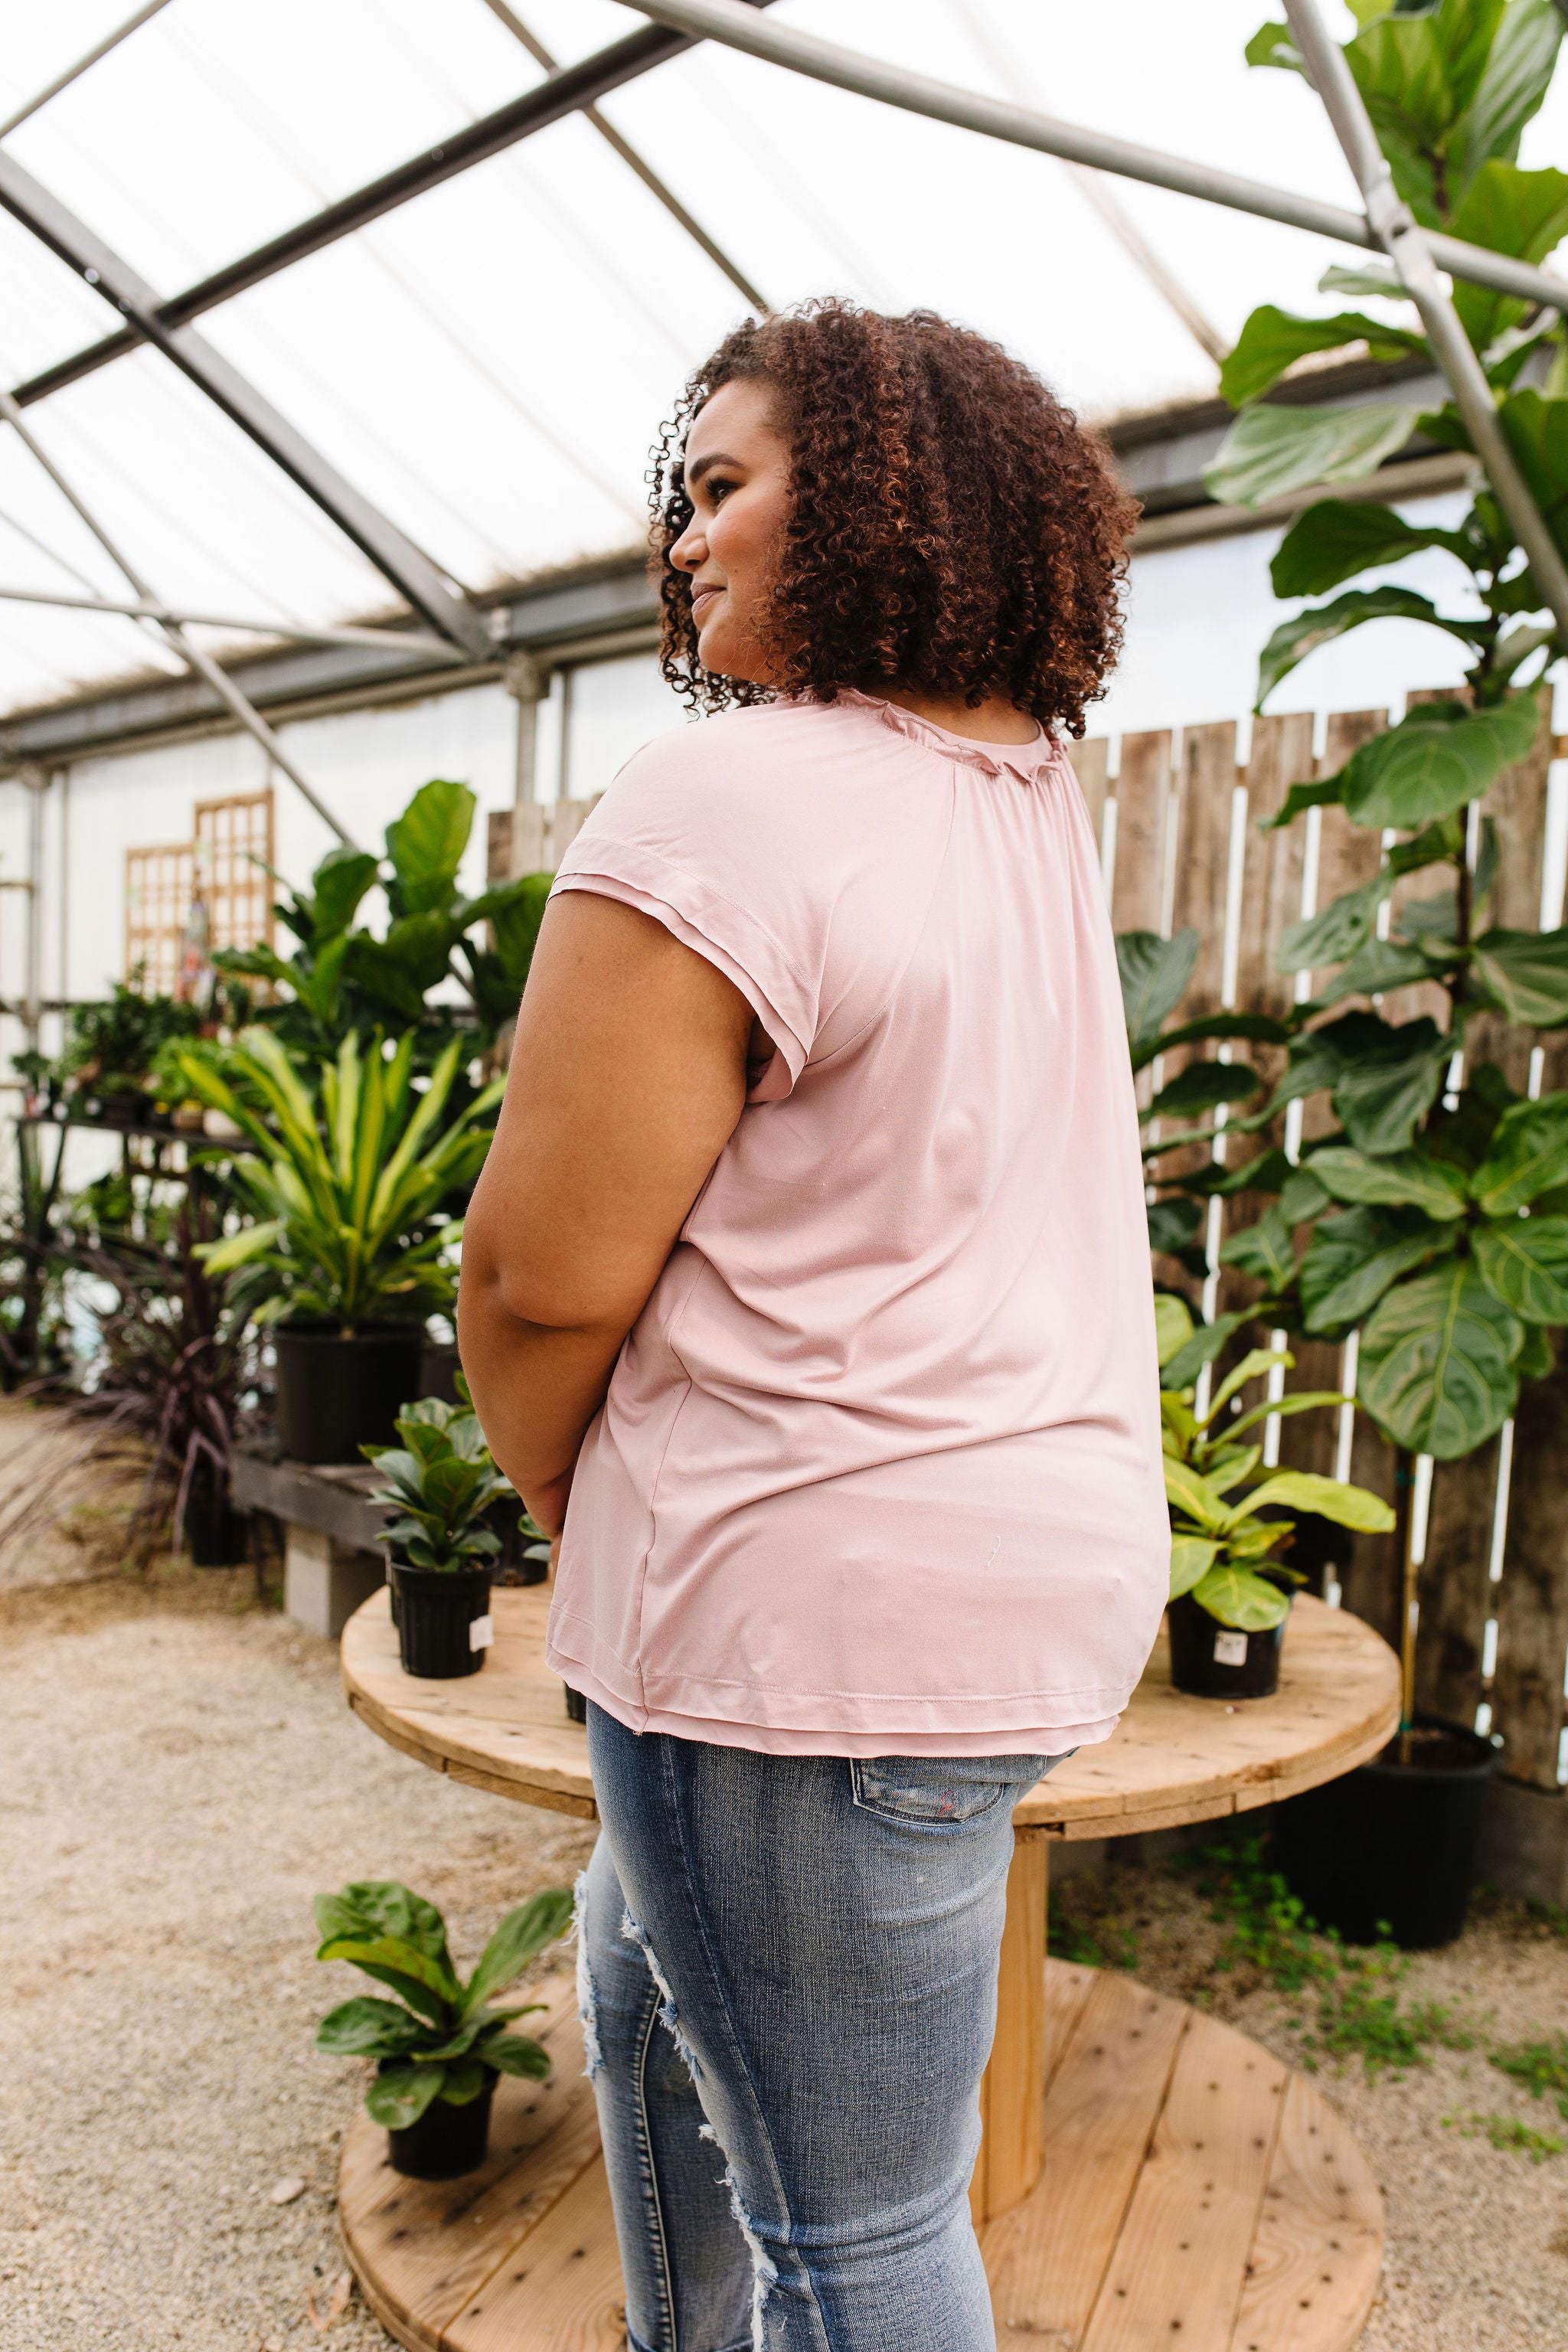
(635, 1932)
(587, 2006)
(765, 2274)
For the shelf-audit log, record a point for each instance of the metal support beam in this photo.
(195, 661)
(72, 73)
(635, 162)
(735, 25)
(409, 569)
(561, 93)
(142, 608)
(1409, 248)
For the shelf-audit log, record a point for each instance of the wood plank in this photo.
(1143, 813)
(1517, 805)
(1346, 854)
(1068, 1986)
(1012, 2089)
(1318, 2249)
(1090, 760)
(1455, 1589)
(1181, 2258)
(1532, 1598)
(1273, 863)
(1372, 1584)
(1047, 2260)
(1201, 852)
(561, 2287)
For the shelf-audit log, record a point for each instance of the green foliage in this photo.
(441, 2038)
(343, 979)
(1271, 451)
(114, 1047)
(1541, 2066)
(1221, 1548)
(1509, 2132)
(442, 1479)
(348, 1182)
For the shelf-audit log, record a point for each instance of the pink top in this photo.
(878, 1470)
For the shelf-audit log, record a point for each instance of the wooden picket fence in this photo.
(1178, 819)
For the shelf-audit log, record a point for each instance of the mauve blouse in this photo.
(879, 1469)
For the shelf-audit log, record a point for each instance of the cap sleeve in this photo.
(699, 842)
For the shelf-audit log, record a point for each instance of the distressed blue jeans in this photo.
(787, 1970)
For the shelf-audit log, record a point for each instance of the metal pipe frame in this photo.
(735, 25)
(200, 664)
(74, 73)
(635, 162)
(1409, 248)
(563, 92)
(142, 608)
(394, 555)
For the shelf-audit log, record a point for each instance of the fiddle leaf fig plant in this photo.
(442, 1479)
(430, 970)
(441, 2038)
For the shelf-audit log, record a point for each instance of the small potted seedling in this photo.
(440, 2048)
(444, 1485)
(1232, 1521)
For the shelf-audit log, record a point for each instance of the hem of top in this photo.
(861, 1739)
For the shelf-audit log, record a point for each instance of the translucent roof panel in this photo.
(488, 362)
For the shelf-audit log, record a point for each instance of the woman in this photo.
(806, 1291)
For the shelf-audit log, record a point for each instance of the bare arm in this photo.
(627, 1077)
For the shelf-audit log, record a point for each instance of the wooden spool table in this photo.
(1148, 2177)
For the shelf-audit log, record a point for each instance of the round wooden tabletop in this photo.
(1173, 1759)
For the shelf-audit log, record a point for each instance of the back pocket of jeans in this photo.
(940, 1789)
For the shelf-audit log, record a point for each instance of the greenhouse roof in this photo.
(478, 368)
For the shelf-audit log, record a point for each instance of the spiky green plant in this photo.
(349, 1183)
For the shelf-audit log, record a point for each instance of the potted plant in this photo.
(351, 1183)
(343, 976)
(440, 2048)
(112, 1049)
(442, 1481)
(1434, 1213)
(1232, 1520)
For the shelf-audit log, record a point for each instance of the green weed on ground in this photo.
(1541, 2066)
(1359, 2008)
(1094, 1940)
(1508, 2132)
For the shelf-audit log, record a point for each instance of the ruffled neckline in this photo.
(1028, 761)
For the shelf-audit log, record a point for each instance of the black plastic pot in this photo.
(338, 1390)
(1209, 1660)
(213, 1531)
(1392, 1844)
(435, 1610)
(439, 1364)
(446, 2141)
(521, 1559)
(576, 1705)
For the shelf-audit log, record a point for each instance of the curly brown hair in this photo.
(954, 529)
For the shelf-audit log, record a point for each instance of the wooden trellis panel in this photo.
(157, 903)
(233, 853)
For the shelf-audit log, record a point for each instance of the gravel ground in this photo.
(181, 1776)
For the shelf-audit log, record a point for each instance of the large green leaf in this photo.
(1379, 965)
(516, 925)
(384, 1906)
(1419, 69)
(400, 2095)
(1154, 974)
(1180, 1369)
(1437, 1362)
(1263, 1250)
(1173, 1323)
(426, 844)
(1173, 1223)
(337, 886)
(1383, 1092)
(1402, 1180)
(1524, 1262)
(1191, 1557)
(1328, 1498)
(1517, 75)
(519, 1938)
(1537, 426)
(1273, 340)
(1340, 537)
(1186, 1491)
(1524, 214)
(1319, 625)
(1272, 450)
(1239, 1597)
(1438, 757)
(516, 2054)
(1352, 1259)
(1528, 1156)
(1335, 931)
(365, 2028)
(1203, 1086)
(1527, 972)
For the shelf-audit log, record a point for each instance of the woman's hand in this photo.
(627, 1077)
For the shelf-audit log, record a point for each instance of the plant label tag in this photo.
(1230, 1647)
(482, 1633)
